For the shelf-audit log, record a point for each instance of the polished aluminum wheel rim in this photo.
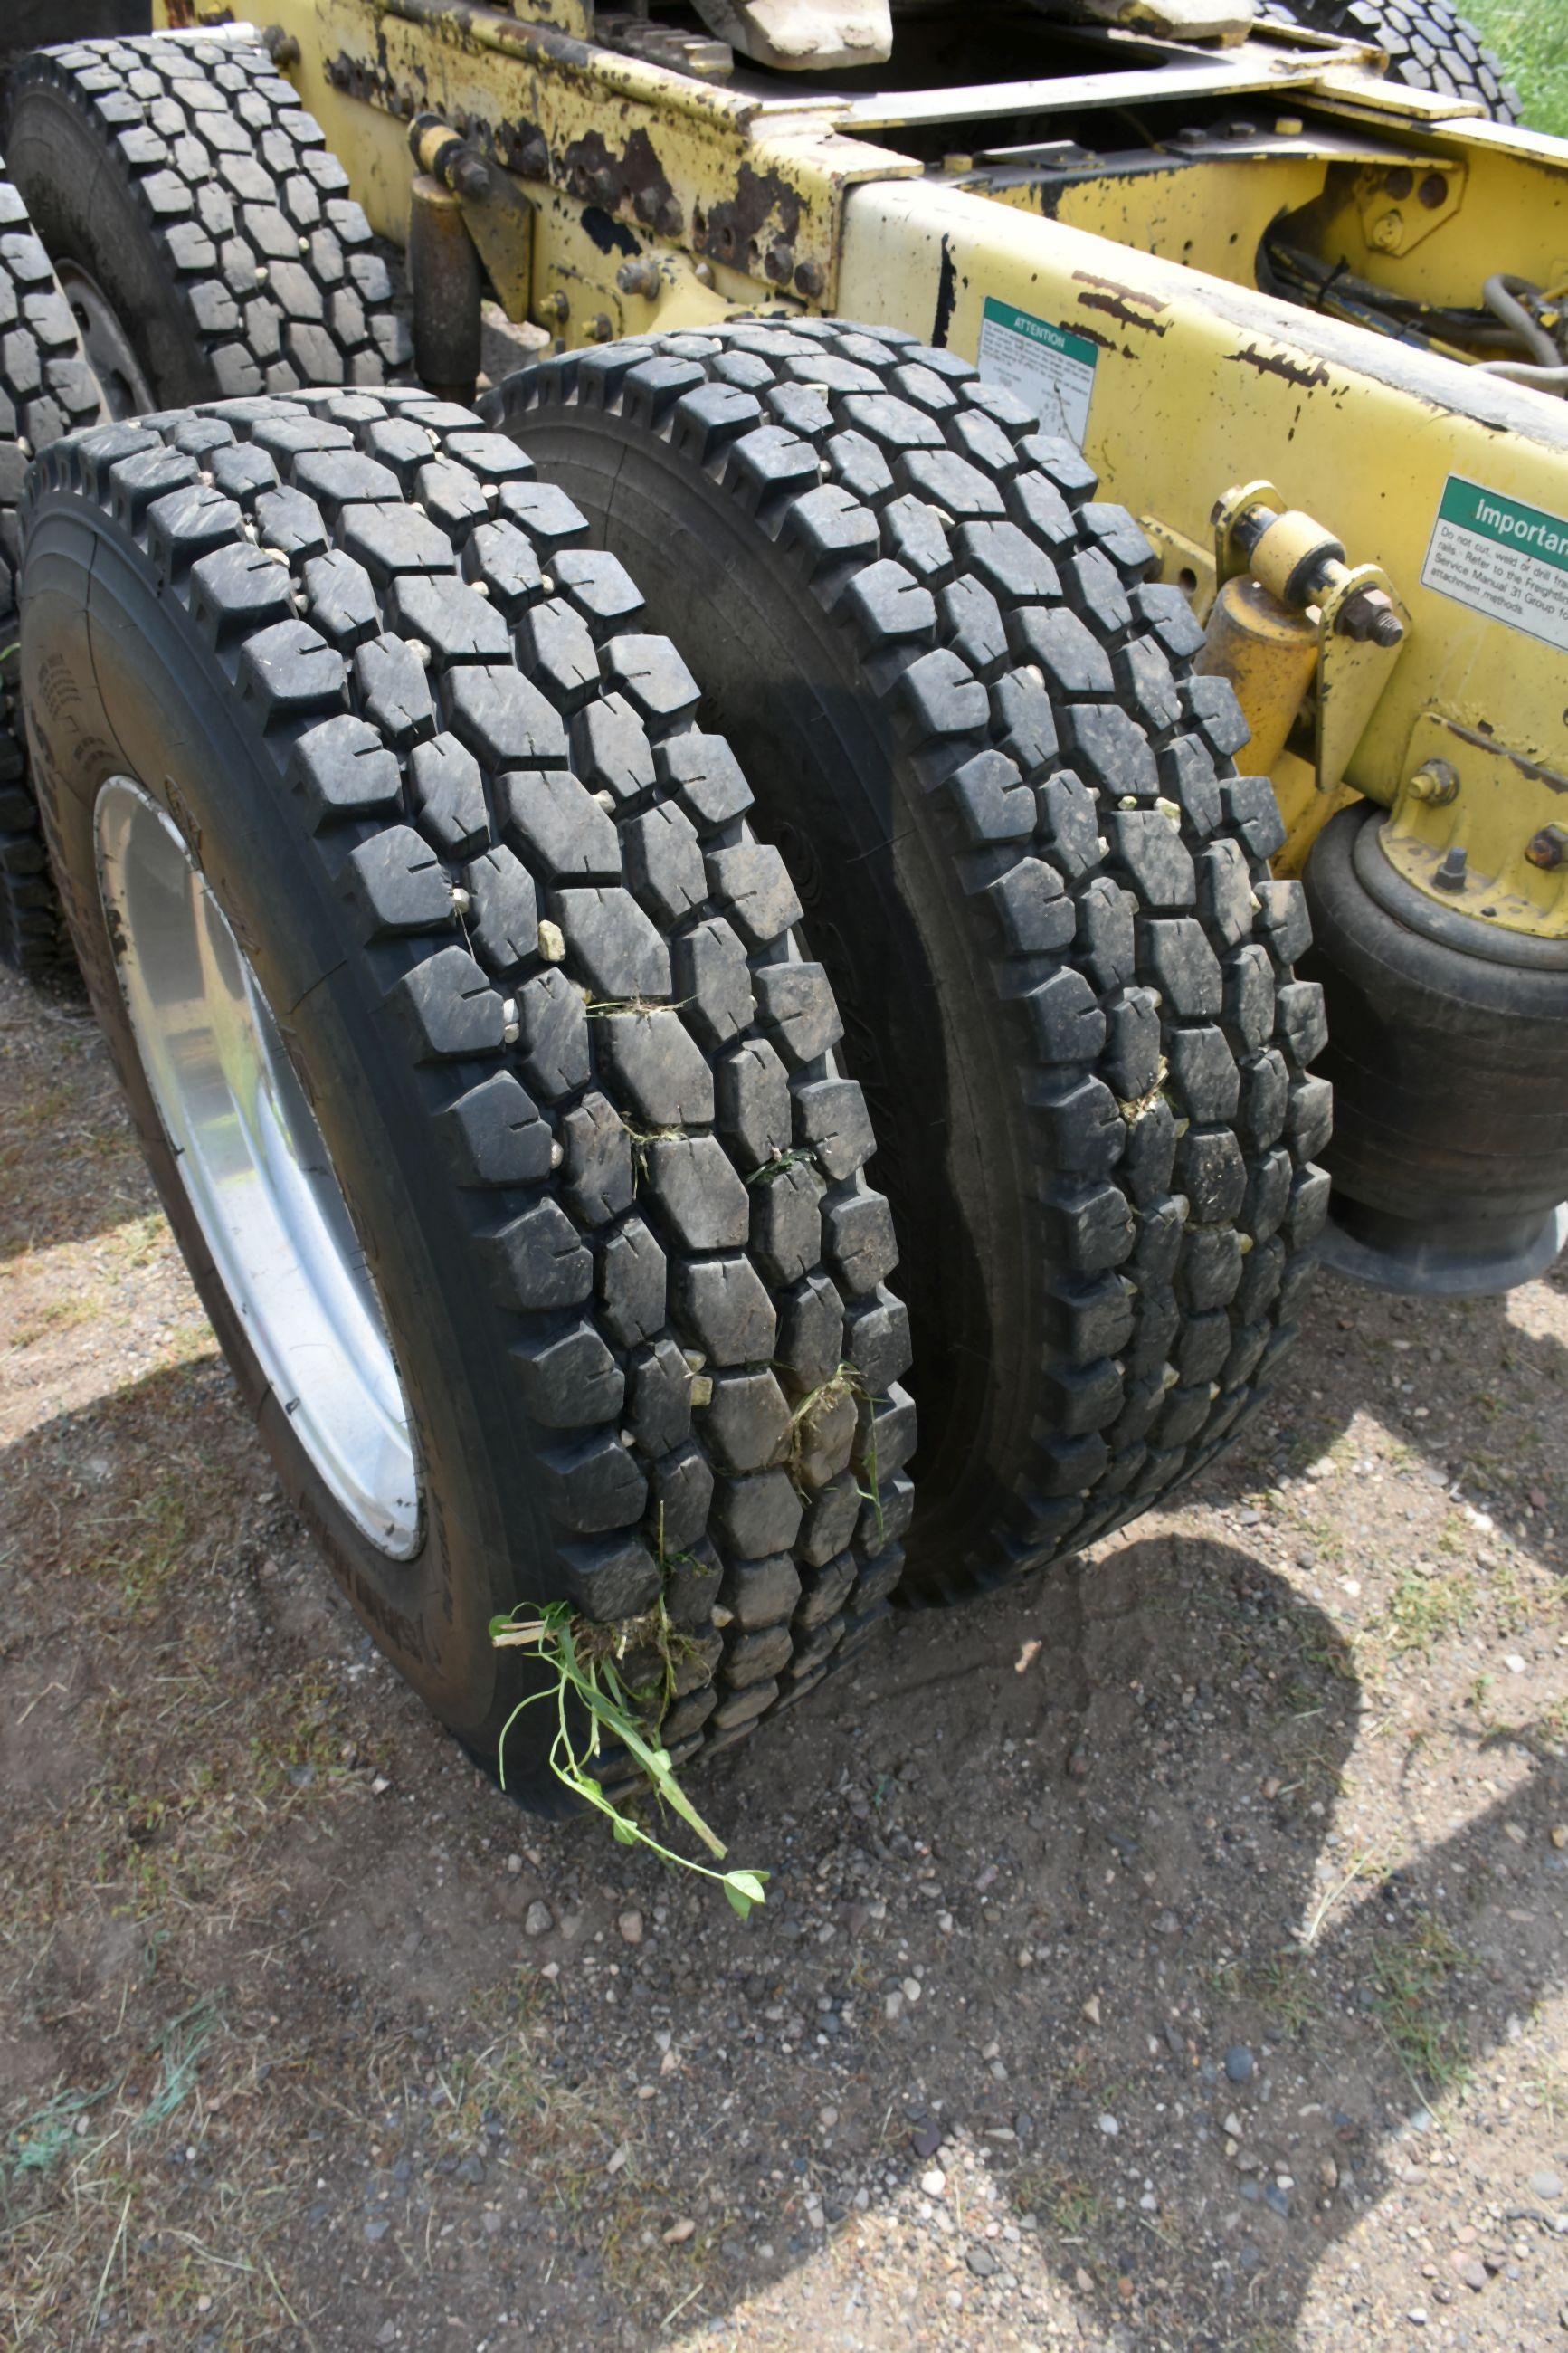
(256, 1168)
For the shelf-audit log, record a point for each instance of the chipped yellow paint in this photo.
(1200, 380)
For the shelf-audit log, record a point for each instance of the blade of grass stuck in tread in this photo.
(550, 1632)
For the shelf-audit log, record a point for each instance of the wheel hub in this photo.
(256, 1168)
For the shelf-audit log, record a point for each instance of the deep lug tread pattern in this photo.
(617, 1173)
(247, 207)
(1034, 689)
(1429, 45)
(280, 286)
(46, 390)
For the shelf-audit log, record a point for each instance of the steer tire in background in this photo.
(45, 389)
(194, 208)
(1040, 889)
(547, 999)
(1429, 45)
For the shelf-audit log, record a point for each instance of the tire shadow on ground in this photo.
(1094, 1823)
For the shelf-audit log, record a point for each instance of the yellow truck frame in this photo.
(611, 184)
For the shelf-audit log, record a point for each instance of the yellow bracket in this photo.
(1361, 620)
(498, 217)
(1482, 829)
(1401, 204)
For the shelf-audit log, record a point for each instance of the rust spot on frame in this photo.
(1309, 376)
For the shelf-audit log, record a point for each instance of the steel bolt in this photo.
(808, 278)
(1435, 783)
(640, 277)
(1369, 614)
(779, 261)
(1454, 873)
(1549, 849)
(281, 46)
(1387, 233)
(601, 328)
(470, 178)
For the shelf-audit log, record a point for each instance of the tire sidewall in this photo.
(119, 681)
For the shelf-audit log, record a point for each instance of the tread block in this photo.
(746, 1425)
(450, 794)
(754, 885)
(786, 1221)
(569, 1381)
(559, 824)
(664, 863)
(392, 689)
(659, 1396)
(560, 655)
(762, 1593)
(713, 982)
(552, 1034)
(503, 719)
(1204, 1076)
(857, 1234)
(539, 1260)
(681, 1496)
(757, 1514)
(660, 1068)
(445, 614)
(698, 1192)
(832, 1123)
(396, 883)
(494, 1134)
(796, 1008)
(753, 1102)
(619, 952)
(613, 1579)
(503, 919)
(447, 1007)
(723, 1305)
(596, 1171)
(651, 675)
(705, 776)
(632, 1282)
(1183, 966)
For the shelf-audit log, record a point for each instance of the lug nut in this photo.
(1435, 783)
(1549, 849)
(1454, 873)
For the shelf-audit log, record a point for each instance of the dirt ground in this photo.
(1172, 1954)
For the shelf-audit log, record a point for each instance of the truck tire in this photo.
(1428, 45)
(541, 1042)
(199, 221)
(1038, 886)
(45, 389)
(206, 245)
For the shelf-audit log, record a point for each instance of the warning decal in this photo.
(1501, 558)
(1045, 365)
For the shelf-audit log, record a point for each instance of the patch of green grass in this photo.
(1531, 39)
(1426, 1606)
(1411, 1972)
(1073, 2211)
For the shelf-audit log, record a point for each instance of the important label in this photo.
(1045, 365)
(1501, 558)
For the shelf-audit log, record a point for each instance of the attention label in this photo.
(1045, 365)
(1501, 558)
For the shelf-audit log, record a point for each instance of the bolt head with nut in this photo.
(1549, 849)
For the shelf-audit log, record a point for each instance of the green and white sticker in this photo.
(1501, 558)
(1045, 365)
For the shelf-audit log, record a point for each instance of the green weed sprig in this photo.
(554, 1636)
